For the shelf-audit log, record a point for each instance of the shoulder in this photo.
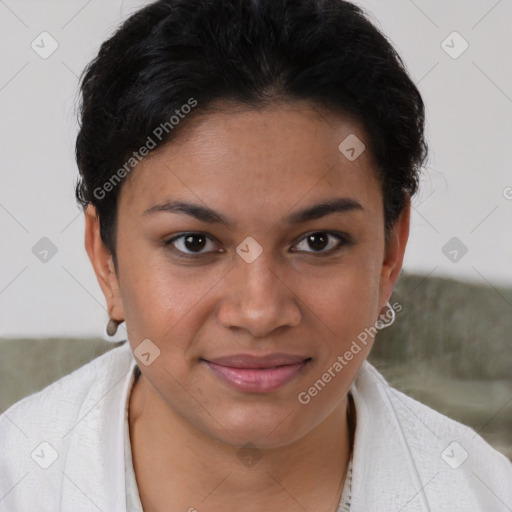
(416, 417)
(63, 430)
(451, 459)
(69, 394)
(52, 412)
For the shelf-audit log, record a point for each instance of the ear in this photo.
(394, 253)
(103, 265)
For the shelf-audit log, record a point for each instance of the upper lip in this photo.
(253, 361)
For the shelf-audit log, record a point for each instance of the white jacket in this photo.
(407, 457)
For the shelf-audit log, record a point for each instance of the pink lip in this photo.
(257, 374)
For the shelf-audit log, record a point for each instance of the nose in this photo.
(258, 299)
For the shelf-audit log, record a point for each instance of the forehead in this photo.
(236, 158)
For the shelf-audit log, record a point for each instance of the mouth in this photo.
(258, 374)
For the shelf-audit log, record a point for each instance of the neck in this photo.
(178, 464)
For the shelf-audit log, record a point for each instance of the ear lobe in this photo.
(394, 253)
(102, 263)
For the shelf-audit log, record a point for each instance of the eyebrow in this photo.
(206, 214)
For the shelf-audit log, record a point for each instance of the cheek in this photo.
(163, 301)
(344, 308)
(344, 323)
(346, 297)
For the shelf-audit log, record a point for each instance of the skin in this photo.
(187, 425)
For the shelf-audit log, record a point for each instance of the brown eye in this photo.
(321, 240)
(191, 243)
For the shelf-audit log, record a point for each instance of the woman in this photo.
(246, 174)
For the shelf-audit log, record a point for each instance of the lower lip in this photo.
(257, 380)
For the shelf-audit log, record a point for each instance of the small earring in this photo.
(112, 327)
(386, 319)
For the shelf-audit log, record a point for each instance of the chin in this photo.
(265, 428)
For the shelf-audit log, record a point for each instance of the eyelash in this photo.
(342, 238)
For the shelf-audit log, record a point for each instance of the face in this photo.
(248, 291)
